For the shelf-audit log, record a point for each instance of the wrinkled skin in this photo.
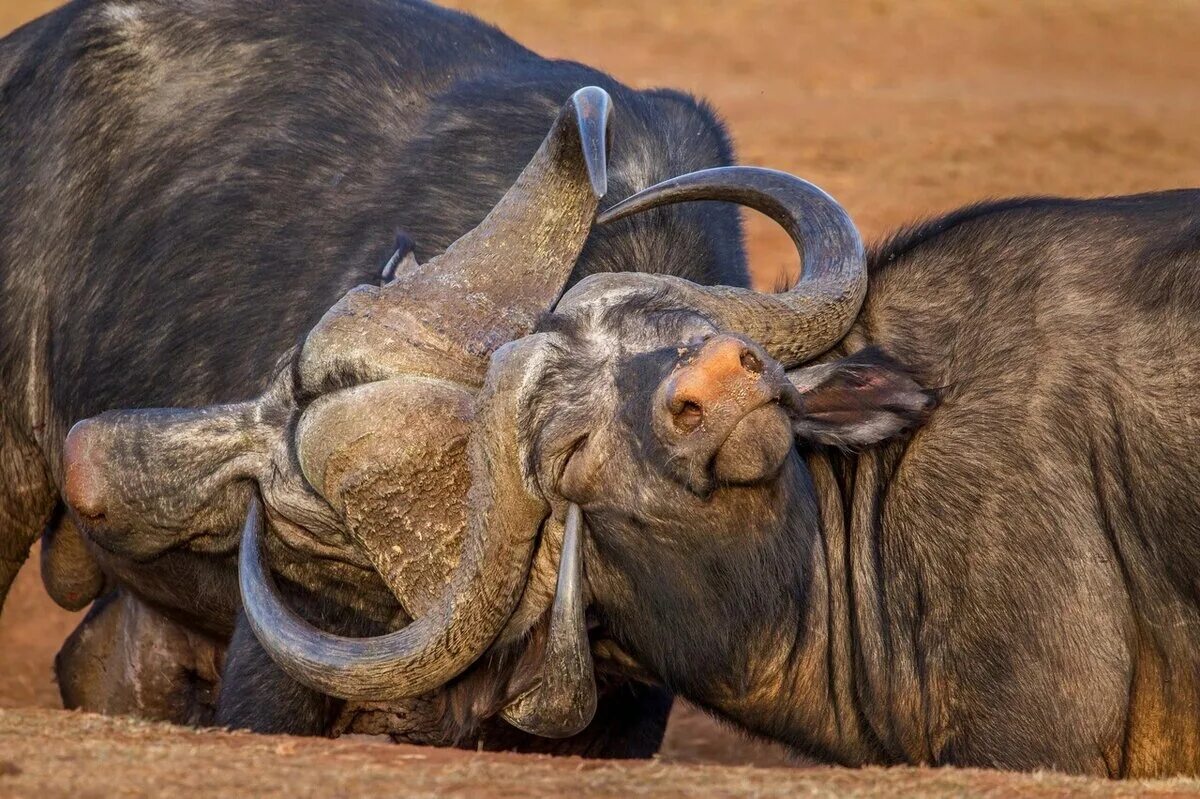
(174, 244)
(1005, 580)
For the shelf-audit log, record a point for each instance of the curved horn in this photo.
(446, 317)
(563, 701)
(794, 326)
(504, 519)
(522, 253)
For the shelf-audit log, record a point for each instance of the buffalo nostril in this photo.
(751, 362)
(687, 414)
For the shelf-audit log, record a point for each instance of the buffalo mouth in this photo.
(756, 447)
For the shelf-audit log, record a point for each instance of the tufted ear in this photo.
(859, 401)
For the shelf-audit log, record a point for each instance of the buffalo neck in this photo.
(814, 648)
(756, 624)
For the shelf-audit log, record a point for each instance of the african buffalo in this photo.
(957, 525)
(186, 190)
(952, 522)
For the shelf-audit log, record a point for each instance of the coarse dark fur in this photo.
(1006, 580)
(187, 187)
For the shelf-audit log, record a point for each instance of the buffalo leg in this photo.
(127, 659)
(257, 695)
(27, 503)
(16, 539)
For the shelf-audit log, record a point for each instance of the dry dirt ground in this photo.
(45, 754)
(901, 109)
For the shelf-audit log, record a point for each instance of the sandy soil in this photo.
(900, 109)
(45, 754)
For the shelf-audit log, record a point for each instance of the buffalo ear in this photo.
(859, 401)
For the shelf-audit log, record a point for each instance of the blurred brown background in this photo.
(899, 108)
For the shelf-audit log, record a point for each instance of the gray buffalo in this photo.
(955, 523)
(185, 190)
(934, 505)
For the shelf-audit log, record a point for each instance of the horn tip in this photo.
(592, 96)
(593, 106)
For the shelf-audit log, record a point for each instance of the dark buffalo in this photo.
(186, 190)
(981, 552)
(957, 526)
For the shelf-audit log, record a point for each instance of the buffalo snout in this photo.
(142, 482)
(723, 413)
